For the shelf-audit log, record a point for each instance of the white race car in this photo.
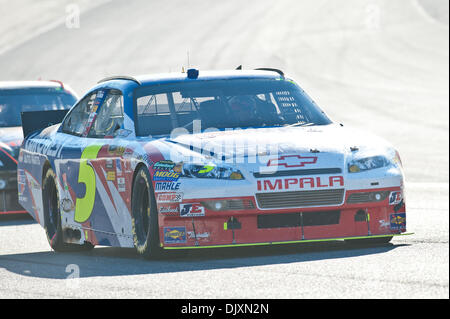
(207, 159)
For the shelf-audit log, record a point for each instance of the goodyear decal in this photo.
(169, 197)
(164, 165)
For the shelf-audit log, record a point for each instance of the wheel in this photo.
(369, 241)
(144, 216)
(52, 217)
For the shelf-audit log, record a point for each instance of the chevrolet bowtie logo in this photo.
(289, 161)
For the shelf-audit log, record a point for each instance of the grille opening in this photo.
(367, 197)
(230, 204)
(301, 198)
(321, 218)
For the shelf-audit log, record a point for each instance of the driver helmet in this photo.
(243, 107)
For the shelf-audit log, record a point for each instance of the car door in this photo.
(112, 215)
(71, 165)
(92, 172)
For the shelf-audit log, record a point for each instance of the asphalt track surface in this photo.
(380, 66)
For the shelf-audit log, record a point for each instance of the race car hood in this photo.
(11, 134)
(330, 144)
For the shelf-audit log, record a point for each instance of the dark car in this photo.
(17, 97)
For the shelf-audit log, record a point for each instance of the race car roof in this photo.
(205, 75)
(5, 85)
(127, 83)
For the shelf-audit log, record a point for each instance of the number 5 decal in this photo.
(84, 205)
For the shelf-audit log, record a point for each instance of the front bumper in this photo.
(9, 203)
(255, 226)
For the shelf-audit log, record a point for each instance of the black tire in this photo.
(369, 241)
(145, 216)
(52, 217)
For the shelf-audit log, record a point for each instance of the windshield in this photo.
(12, 102)
(224, 104)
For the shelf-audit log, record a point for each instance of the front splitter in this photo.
(289, 242)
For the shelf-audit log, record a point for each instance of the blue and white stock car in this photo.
(207, 159)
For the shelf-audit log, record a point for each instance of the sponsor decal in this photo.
(168, 209)
(167, 186)
(35, 160)
(43, 146)
(127, 153)
(66, 202)
(166, 176)
(27, 159)
(398, 221)
(115, 150)
(395, 198)
(121, 184)
(100, 95)
(109, 163)
(193, 235)
(301, 183)
(178, 168)
(118, 167)
(290, 161)
(123, 132)
(34, 184)
(384, 224)
(110, 175)
(21, 181)
(174, 235)
(92, 115)
(192, 210)
(164, 165)
(99, 98)
(169, 197)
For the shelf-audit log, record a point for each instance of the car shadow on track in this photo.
(16, 220)
(108, 261)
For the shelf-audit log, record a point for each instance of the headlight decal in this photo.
(211, 170)
(368, 163)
